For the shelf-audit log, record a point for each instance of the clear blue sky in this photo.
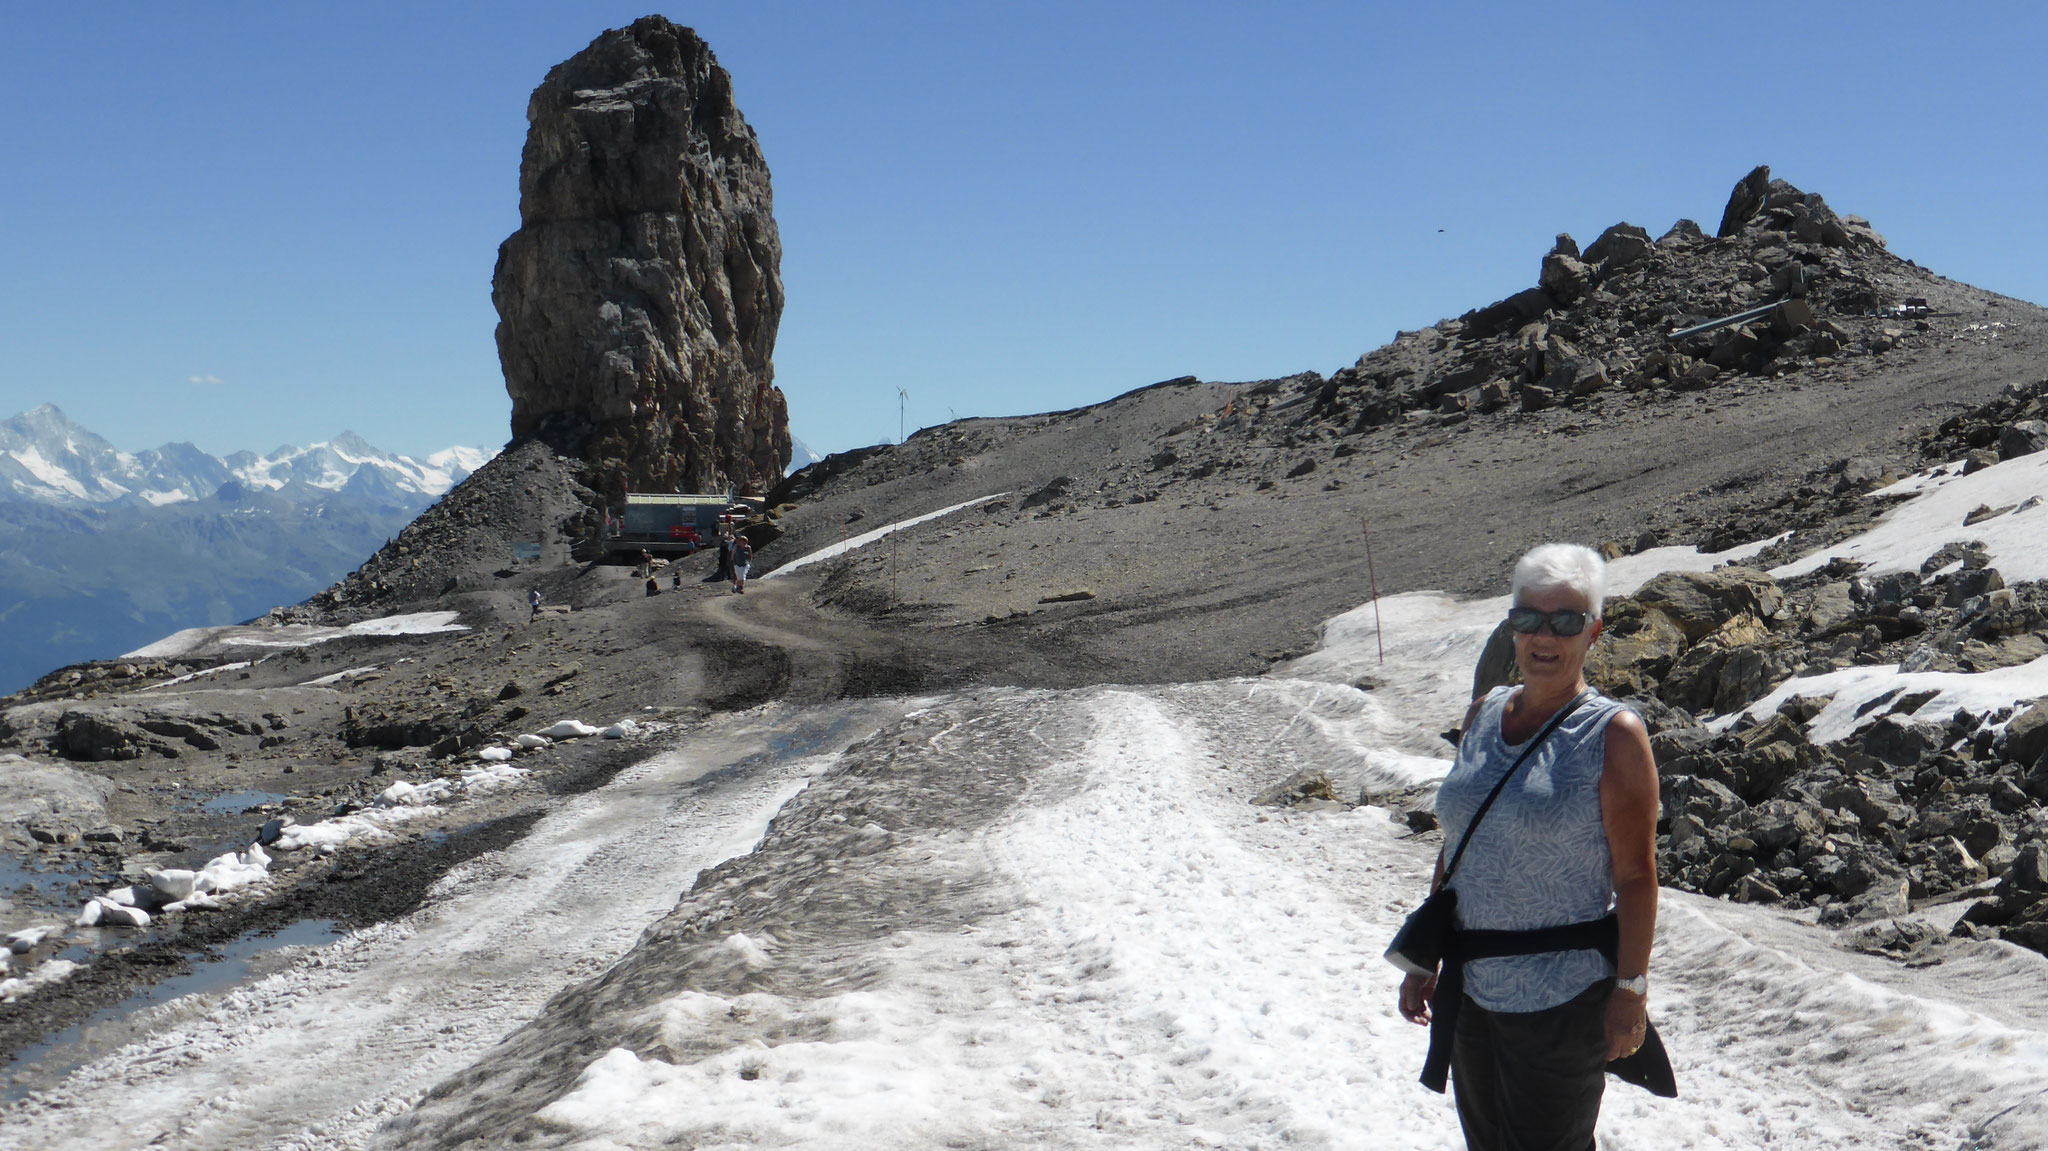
(246, 225)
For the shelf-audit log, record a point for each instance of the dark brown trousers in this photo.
(1531, 1080)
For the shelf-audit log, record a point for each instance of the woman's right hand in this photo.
(1416, 992)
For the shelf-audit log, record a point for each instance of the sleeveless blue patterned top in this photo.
(1539, 858)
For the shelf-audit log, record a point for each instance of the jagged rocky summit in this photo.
(1600, 318)
(639, 299)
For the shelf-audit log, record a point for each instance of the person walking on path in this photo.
(742, 559)
(1564, 854)
(725, 541)
(533, 605)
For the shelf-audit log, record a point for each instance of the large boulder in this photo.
(98, 738)
(2026, 737)
(1902, 742)
(1701, 603)
(1563, 278)
(1621, 246)
(2022, 438)
(49, 802)
(1568, 371)
(1727, 671)
(1683, 235)
(1636, 648)
(639, 299)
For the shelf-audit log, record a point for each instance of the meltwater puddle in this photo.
(109, 1028)
(241, 802)
(55, 885)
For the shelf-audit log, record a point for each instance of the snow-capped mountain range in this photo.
(102, 550)
(48, 458)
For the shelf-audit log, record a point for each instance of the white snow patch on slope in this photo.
(336, 677)
(295, 635)
(1853, 687)
(840, 549)
(47, 472)
(1942, 497)
(1433, 640)
(190, 676)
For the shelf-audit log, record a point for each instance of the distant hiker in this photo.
(724, 555)
(742, 559)
(653, 586)
(675, 576)
(646, 563)
(1544, 982)
(533, 604)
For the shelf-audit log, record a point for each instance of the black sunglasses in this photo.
(1529, 621)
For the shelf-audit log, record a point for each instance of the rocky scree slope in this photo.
(1902, 810)
(639, 299)
(1900, 813)
(1218, 524)
(527, 494)
(1600, 318)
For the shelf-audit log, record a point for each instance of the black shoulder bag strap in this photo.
(1473, 825)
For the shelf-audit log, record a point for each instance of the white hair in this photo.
(1563, 566)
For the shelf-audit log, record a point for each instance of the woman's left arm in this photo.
(1628, 809)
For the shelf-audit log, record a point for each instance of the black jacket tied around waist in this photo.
(1649, 1068)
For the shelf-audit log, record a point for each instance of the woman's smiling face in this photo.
(1547, 658)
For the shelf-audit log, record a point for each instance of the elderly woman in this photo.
(1546, 980)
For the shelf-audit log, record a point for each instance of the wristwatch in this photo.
(1639, 985)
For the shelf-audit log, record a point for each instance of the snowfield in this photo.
(834, 551)
(193, 639)
(1183, 969)
(2017, 537)
(1042, 919)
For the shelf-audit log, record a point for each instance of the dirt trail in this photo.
(769, 614)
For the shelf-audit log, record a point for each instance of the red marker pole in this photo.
(1378, 636)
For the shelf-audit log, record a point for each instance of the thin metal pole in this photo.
(1756, 313)
(1378, 636)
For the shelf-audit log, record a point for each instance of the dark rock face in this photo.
(639, 299)
(1746, 201)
